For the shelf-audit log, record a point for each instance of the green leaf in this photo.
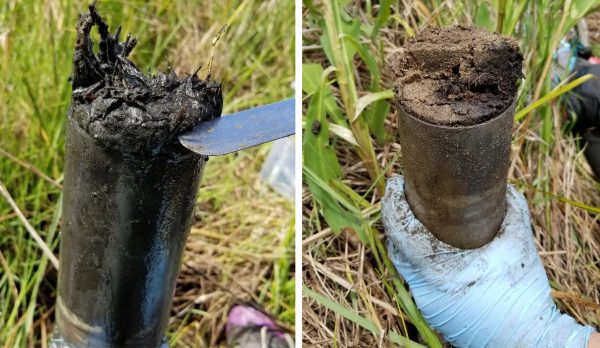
(377, 112)
(580, 8)
(556, 92)
(376, 115)
(359, 320)
(311, 77)
(483, 18)
(515, 16)
(367, 57)
(356, 199)
(318, 153)
(321, 164)
(329, 189)
(310, 6)
(382, 16)
(370, 98)
(348, 27)
(334, 214)
(345, 70)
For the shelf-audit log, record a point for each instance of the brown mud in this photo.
(120, 107)
(457, 76)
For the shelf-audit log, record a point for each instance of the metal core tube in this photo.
(455, 92)
(125, 222)
(455, 176)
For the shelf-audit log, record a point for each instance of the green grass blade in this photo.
(371, 98)
(382, 16)
(557, 92)
(354, 317)
(345, 77)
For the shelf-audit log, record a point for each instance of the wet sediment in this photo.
(122, 108)
(129, 192)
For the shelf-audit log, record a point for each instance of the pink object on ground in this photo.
(244, 316)
(250, 327)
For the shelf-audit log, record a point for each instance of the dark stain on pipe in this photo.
(455, 93)
(129, 192)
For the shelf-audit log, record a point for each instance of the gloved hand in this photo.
(494, 296)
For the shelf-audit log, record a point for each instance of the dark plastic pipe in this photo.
(125, 223)
(455, 176)
(129, 193)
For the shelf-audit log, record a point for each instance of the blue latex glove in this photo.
(494, 296)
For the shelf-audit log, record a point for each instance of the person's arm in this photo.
(497, 295)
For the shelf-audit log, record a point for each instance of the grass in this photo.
(241, 244)
(348, 154)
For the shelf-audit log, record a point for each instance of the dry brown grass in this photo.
(568, 237)
(243, 231)
(341, 268)
(241, 245)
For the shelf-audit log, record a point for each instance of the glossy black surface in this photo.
(125, 223)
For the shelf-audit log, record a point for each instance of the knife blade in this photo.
(241, 130)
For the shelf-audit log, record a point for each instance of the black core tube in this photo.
(125, 222)
(455, 93)
(129, 193)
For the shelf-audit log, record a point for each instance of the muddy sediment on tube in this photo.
(457, 76)
(124, 109)
(129, 192)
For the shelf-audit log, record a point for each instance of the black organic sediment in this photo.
(125, 222)
(129, 192)
(121, 107)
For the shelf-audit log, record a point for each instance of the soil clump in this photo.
(457, 76)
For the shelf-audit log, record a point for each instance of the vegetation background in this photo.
(352, 295)
(241, 244)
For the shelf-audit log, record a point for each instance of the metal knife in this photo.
(241, 130)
